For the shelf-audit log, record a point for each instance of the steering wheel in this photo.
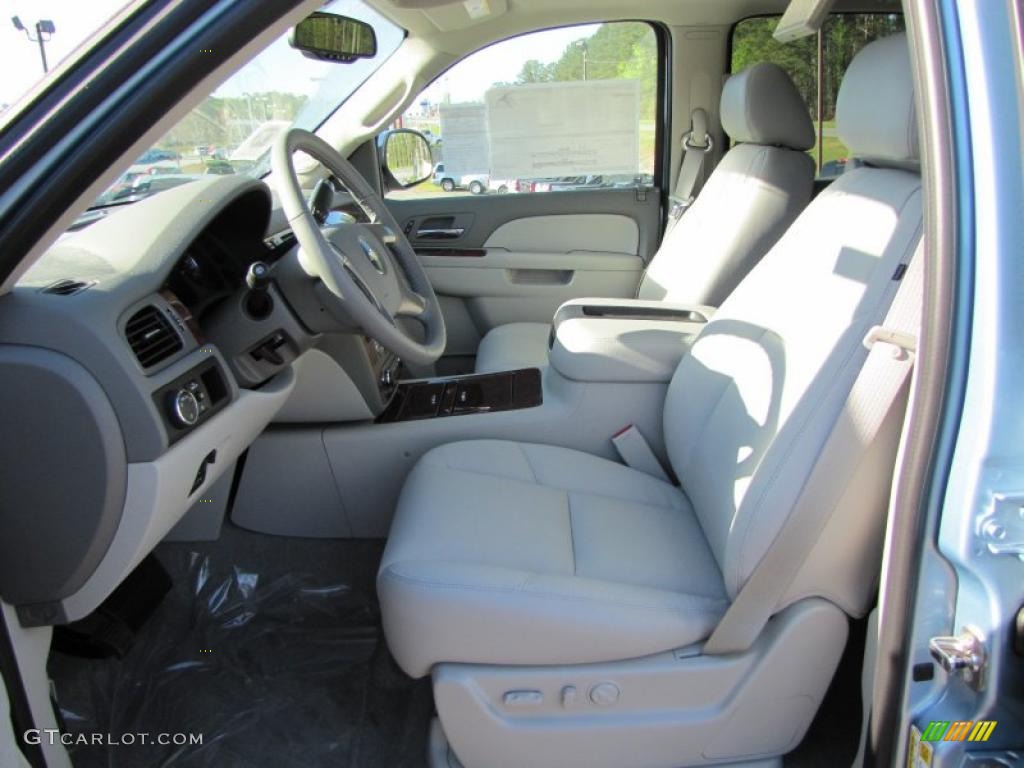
(371, 270)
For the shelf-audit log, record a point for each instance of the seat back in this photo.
(754, 400)
(752, 197)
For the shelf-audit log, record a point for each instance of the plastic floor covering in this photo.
(269, 648)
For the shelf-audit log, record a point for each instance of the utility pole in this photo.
(44, 31)
(583, 45)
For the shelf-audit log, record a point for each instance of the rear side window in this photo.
(816, 65)
(564, 109)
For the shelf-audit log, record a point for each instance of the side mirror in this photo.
(406, 158)
(330, 37)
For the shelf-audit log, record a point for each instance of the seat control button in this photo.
(604, 694)
(569, 696)
(518, 699)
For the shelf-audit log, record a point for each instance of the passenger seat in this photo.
(755, 192)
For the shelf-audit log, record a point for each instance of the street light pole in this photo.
(42, 46)
(583, 46)
(44, 31)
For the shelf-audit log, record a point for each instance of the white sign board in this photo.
(465, 147)
(543, 130)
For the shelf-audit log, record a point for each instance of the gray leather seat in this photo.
(508, 553)
(750, 199)
(599, 561)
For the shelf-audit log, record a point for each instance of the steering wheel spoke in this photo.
(365, 290)
(413, 304)
(383, 232)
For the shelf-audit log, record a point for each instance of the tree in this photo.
(615, 51)
(843, 36)
(534, 71)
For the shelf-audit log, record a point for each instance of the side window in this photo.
(839, 40)
(558, 110)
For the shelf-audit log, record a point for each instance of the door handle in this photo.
(450, 233)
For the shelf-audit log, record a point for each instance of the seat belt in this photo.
(696, 145)
(872, 400)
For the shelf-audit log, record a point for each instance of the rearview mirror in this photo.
(330, 37)
(406, 158)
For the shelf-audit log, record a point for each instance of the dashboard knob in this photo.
(184, 408)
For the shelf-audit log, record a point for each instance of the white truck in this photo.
(477, 183)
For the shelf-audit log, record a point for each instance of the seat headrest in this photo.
(761, 105)
(875, 115)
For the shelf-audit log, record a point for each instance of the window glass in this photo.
(842, 36)
(41, 34)
(558, 110)
(233, 130)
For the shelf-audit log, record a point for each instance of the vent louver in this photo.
(151, 336)
(66, 287)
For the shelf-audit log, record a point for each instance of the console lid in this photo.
(623, 340)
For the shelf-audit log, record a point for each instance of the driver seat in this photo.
(561, 601)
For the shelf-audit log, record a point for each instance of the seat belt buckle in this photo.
(636, 452)
(902, 345)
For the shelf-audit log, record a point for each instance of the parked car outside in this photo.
(477, 183)
(157, 161)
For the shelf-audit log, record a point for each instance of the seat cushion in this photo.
(516, 553)
(513, 346)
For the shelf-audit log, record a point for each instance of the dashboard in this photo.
(215, 263)
(139, 358)
(134, 371)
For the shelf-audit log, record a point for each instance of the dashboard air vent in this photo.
(151, 336)
(66, 287)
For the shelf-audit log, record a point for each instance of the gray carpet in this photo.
(270, 648)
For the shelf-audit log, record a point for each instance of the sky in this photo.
(19, 59)
(279, 68)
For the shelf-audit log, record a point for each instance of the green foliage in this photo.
(616, 51)
(843, 36)
(628, 50)
(752, 43)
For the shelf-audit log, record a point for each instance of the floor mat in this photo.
(270, 648)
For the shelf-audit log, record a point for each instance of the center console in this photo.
(458, 395)
(621, 340)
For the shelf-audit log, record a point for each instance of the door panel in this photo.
(547, 150)
(481, 216)
(496, 259)
(507, 287)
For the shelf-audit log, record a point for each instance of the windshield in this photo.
(233, 130)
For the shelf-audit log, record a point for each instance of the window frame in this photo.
(662, 167)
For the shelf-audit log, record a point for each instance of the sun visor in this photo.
(802, 19)
(421, 3)
(448, 15)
